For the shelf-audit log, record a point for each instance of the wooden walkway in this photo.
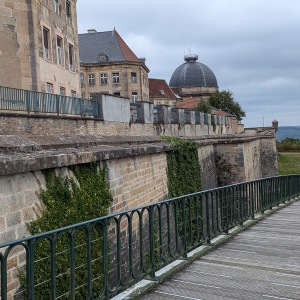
(262, 262)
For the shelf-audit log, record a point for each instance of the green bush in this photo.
(289, 145)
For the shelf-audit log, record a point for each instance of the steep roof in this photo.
(109, 44)
(158, 88)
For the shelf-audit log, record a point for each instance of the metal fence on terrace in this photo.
(35, 102)
(99, 258)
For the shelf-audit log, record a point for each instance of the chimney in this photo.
(92, 30)
(142, 59)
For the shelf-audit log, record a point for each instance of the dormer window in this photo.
(162, 92)
(102, 58)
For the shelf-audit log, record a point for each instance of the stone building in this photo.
(160, 93)
(39, 46)
(109, 66)
(193, 79)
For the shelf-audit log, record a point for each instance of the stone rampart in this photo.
(136, 171)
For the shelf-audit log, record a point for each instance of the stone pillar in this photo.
(147, 112)
(164, 114)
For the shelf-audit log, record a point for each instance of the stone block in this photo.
(13, 219)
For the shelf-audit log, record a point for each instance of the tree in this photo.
(225, 101)
(204, 106)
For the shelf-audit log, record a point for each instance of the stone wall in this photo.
(136, 172)
(51, 125)
(252, 160)
(268, 157)
(137, 181)
(133, 181)
(208, 169)
(19, 205)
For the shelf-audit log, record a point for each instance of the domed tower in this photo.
(193, 79)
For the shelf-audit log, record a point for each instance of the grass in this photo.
(289, 163)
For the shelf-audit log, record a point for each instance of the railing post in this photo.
(72, 265)
(57, 104)
(30, 270)
(53, 268)
(208, 229)
(184, 229)
(252, 188)
(226, 211)
(152, 248)
(105, 258)
(3, 264)
(27, 101)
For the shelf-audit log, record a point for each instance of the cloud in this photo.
(252, 46)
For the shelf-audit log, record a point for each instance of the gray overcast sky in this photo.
(252, 46)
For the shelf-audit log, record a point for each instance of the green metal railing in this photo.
(35, 102)
(123, 248)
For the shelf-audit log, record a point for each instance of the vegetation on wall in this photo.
(184, 177)
(69, 201)
(183, 167)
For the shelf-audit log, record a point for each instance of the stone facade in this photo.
(39, 46)
(135, 89)
(109, 66)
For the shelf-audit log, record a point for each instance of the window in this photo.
(46, 43)
(59, 44)
(56, 6)
(134, 97)
(162, 92)
(81, 78)
(91, 79)
(133, 77)
(102, 58)
(49, 88)
(71, 57)
(73, 93)
(103, 78)
(68, 10)
(116, 77)
(62, 91)
(117, 94)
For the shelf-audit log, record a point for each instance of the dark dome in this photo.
(193, 74)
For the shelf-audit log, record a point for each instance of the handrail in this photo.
(122, 248)
(12, 99)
